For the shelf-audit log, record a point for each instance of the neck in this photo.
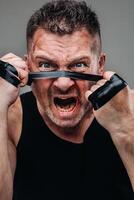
(71, 134)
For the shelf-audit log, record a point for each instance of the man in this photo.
(51, 144)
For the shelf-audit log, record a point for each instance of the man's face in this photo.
(62, 100)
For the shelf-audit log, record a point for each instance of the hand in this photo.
(116, 115)
(8, 92)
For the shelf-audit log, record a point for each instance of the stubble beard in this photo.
(68, 123)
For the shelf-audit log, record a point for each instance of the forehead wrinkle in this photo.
(62, 58)
(58, 54)
(62, 49)
(54, 47)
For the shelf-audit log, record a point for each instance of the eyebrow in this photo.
(77, 59)
(45, 58)
(80, 58)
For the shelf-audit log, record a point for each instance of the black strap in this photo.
(103, 94)
(9, 67)
(98, 98)
(9, 73)
(57, 74)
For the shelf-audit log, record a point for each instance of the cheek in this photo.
(43, 84)
(41, 89)
(83, 87)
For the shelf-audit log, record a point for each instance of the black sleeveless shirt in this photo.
(50, 168)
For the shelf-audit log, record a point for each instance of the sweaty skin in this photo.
(69, 52)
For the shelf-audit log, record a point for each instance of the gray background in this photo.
(117, 25)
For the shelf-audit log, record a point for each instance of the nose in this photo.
(63, 83)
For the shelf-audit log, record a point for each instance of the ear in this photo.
(101, 63)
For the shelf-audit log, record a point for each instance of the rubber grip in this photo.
(67, 74)
(106, 92)
(9, 73)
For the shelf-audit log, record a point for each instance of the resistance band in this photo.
(67, 74)
(9, 73)
(98, 98)
(104, 93)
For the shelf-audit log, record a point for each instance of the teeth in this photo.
(63, 108)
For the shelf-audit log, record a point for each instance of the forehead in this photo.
(54, 45)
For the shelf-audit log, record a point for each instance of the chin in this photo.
(66, 123)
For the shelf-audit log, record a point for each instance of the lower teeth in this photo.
(64, 108)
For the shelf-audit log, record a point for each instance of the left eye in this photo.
(79, 65)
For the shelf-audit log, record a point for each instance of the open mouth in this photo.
(65, 104)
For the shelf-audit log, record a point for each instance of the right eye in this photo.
(46, 66)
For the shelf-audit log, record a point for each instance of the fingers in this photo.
(19, 64)
(105, 89)
(106, 76)
(95, 87)
(15, 61)
(23, 76)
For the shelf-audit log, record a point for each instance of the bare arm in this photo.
(10, 129)
(10, 120)
(117, 116)
(6, 152)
